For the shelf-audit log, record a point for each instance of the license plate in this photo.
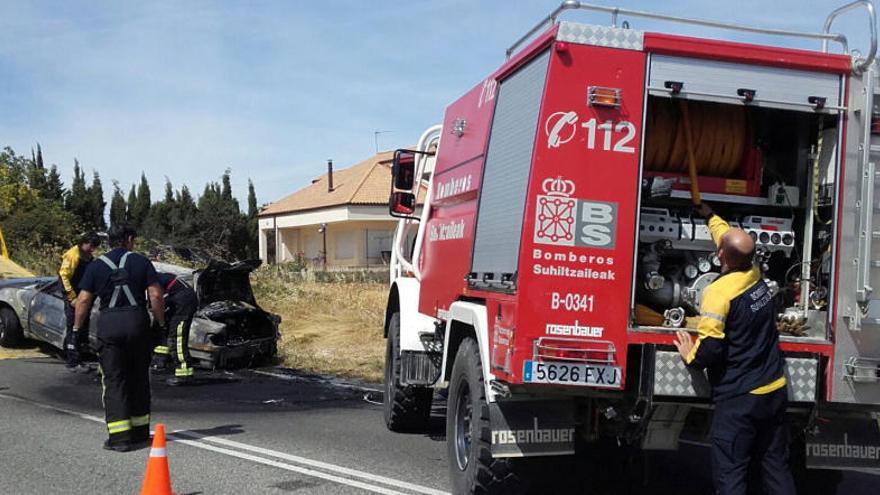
(591, 375)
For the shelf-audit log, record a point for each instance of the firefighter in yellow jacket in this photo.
(73, 266)
(738, 346)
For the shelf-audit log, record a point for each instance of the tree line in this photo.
(37, 210)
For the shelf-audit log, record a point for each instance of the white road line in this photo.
(195, 440)
(287, 467)
(354, 473)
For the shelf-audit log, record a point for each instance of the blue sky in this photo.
(271, 89)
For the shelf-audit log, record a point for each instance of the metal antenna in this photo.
(376, 138)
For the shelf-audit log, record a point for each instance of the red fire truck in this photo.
(547, 249)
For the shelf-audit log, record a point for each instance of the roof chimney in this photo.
(329, 176)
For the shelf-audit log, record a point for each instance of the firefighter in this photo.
(73, 265)
(181, 304)
(738, 345)
(122, 280)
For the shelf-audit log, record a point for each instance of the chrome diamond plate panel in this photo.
(587, 34)
(673, 379)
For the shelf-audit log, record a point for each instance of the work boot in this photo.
(140, 436)
(177, 381)
(71, 358)
(159, 363)
(117, 446)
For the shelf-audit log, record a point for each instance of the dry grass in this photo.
(333, 327)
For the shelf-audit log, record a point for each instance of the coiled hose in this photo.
(718, 133)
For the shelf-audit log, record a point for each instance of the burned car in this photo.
(229, 326)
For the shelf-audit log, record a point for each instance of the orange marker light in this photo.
(598, 96)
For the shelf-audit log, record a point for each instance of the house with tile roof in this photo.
(340, 220)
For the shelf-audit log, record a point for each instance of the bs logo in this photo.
(563, 220)
(596, 224)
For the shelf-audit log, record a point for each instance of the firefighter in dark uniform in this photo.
(73, 266)
(122, 279)
(738, 345)
(181, 304)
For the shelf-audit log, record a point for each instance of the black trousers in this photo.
(124, 353)
(181, 306)
(74, 344)
(751, 430)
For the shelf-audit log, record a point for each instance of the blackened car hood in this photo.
(222, 281)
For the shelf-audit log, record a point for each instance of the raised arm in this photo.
(157, 302)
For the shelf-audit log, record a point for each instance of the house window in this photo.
(379, 245)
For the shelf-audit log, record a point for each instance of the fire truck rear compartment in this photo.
(770, 171)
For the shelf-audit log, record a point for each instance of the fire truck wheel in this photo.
(471, 466)
(10, 328)
(406, 408)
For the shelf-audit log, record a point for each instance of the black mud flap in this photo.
(844, 443)
(532, 428)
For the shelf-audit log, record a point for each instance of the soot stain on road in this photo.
(219, 391)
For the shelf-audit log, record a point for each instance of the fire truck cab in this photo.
(547, 249)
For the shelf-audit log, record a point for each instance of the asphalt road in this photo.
(253, 431)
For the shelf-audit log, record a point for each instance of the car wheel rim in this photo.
(463, 411)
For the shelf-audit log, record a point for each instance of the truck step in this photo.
(419, 368)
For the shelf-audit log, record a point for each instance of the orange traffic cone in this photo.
(157, 479)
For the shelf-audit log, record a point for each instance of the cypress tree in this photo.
(252, 223)
(144, 202)
(54, 186)
(78, 197)
(131, 207)
(96, 205)
(253, 209)
(117, 206)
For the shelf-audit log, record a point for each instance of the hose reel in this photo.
(719, 136)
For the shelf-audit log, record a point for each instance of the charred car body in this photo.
(228, 328)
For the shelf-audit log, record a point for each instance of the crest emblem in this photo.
(556, 213)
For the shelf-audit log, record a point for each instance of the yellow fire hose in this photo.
(692, 161)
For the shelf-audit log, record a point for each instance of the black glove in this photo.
(72, 350)
(704, 210)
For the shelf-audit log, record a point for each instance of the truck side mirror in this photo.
(404, 169)
(402, 204)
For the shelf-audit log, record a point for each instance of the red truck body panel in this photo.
(575, 261)
(449, 233)
(576, 251)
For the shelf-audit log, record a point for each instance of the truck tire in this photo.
(10, 328)
(471, 466)
(406, 408)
